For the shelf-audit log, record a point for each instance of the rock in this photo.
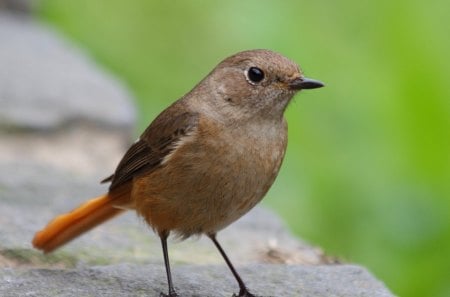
(199, 280)
(19, 6)
(57, 107)
(46, 83)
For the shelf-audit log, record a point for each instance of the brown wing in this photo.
(155, 143)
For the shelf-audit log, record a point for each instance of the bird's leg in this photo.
(243, 291)
(163, 235)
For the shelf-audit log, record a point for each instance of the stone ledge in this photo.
(192, 280)
(47, 83)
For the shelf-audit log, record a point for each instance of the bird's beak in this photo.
(301, 83)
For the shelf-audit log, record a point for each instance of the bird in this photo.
(203, 162)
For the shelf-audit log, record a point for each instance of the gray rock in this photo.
(57, 108)
(200, 280)
(46, 83)
(19, 6)
(83, 150)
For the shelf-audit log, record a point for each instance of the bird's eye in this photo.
(255, 75)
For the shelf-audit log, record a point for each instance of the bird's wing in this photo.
(159, 140)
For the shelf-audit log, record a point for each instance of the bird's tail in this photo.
(66, 227)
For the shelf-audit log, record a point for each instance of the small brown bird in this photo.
(204, 162)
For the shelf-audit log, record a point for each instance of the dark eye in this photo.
(255, 75)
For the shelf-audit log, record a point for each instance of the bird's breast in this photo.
(215, 177)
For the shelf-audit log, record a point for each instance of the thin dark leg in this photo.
(243, 291)
(172, 293)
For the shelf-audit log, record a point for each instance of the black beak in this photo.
(301, 83)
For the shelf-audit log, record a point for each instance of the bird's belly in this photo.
(203, 189)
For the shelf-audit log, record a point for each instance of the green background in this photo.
(367, 172)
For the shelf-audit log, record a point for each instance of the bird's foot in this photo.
(245, 293)
(172, 294)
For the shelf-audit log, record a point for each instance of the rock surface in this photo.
(46, 83)
(201, 280)
(54, 148)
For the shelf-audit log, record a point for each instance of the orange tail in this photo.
(66, 227)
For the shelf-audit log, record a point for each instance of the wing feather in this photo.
(159, 140)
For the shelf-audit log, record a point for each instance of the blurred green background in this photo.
(367, 172)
